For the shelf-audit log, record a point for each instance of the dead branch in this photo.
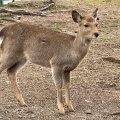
(22, 12)
(8, 19)
(47, 7)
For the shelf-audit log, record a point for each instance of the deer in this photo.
(61, 52)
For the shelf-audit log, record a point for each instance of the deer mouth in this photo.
(90, 37)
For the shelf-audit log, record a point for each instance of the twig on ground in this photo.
(47, 7)
(22, 12)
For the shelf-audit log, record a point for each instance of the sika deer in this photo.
(59, 51)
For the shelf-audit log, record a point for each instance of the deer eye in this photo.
(86, 26)
(98, 19)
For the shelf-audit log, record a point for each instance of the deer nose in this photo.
(96, 34)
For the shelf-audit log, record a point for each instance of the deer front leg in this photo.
(66, 78)
(57, 76)
(59, 99)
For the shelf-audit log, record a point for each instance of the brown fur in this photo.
(90, 19)
(59, 51)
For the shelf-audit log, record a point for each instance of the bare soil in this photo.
(95, 83)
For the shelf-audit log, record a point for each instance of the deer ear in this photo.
(95, 13)
(76, 16)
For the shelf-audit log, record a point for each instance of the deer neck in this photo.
(81, 44)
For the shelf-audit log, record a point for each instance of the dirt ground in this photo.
(95, 83)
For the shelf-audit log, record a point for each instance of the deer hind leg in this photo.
(66, 79)
(57, 76)
(12, 76)
(6, 62)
